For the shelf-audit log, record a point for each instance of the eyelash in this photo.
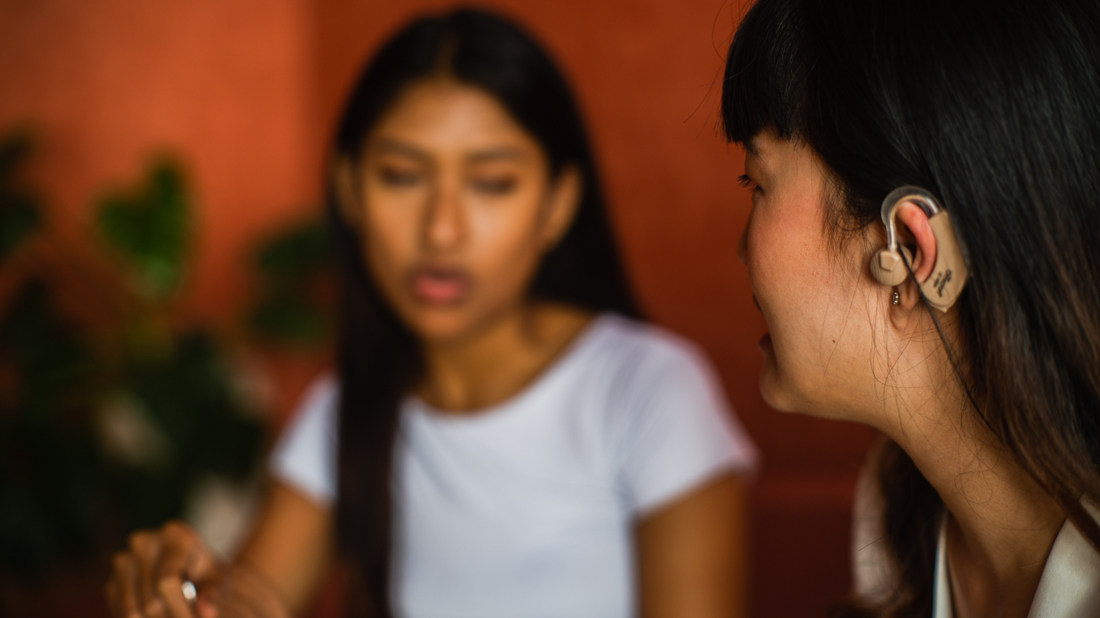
(747, 182)
(495, 186)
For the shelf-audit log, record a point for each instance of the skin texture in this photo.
(838, 348)
(456, 207)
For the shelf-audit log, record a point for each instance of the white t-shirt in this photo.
(527, 508)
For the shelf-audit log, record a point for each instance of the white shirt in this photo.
(1068, 588)
(527, 508)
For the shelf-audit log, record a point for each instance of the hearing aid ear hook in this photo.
(892, 265)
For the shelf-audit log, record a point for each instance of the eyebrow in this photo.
(496, 154)
(751, 147)
(384, 146)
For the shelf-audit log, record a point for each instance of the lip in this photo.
(766, 341)
(440, 284)
(757, 303)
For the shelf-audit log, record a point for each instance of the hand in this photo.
(147, 578)
(239, 592)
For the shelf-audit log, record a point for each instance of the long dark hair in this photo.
(994, 106)
(379, 357)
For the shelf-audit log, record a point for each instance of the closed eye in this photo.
(747, 182)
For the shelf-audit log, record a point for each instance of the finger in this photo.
(171, 593)
(188, 553)
(206, 608)
(145, 546)
(179, 546)
(126, 586)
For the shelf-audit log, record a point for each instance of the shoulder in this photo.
(305, 455)
(322, 394)
(645, 351)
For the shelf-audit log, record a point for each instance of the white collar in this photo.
(1068, 588)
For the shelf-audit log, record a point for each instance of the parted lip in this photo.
(439, 283)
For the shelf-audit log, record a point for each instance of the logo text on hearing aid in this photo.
(941, 281)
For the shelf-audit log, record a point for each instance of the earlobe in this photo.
(565, 198)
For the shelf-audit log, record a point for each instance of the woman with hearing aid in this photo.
(923, 245)
(503, 437)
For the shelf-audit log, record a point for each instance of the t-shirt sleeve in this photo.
(305, 454)
(681, 431)
(872, 573)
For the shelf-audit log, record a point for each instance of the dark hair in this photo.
(994, 106)
(379, 358)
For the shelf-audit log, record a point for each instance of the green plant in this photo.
(19, 208)
(107, 427)
(293, 303)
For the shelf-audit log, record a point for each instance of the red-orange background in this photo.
(246, 91)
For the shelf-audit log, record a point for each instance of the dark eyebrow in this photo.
(751, 147)
(383, 146)
(494, 154)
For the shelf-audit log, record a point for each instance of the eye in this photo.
(499, 185)
(747, 182)
(399, 177)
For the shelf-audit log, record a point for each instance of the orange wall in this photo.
(247, 91)
(226, 85)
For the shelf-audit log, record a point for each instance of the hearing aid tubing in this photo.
(893, 264)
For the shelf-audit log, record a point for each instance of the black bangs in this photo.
(766, 74)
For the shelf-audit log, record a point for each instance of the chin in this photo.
(777, 391)
(440, 326)
(774, 394)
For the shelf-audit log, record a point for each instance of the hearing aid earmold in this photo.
(893, 264)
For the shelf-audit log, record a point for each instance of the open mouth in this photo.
(440, 285)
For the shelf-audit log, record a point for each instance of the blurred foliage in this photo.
(49, 462)
(150, 225)
(19, 208)
(107, 429)
(291, 306)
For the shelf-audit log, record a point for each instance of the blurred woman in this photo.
(503, 437)
(892, 147)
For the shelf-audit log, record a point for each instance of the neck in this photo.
(1002, 523)
(500, 359)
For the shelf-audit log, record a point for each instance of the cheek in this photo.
(793, 276)
(390, 237)
(784, 265)
(505, 245)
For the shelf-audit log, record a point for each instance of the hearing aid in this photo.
(893, 264)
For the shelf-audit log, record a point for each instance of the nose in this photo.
(444, 224)
(743, 245)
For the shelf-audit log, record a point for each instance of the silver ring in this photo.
(189, 591)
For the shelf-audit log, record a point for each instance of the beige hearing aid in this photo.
(891, 266)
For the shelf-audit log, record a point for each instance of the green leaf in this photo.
(295, 254)
(19, 209)
(149, 226)
(19, 218)
(287, 318)
(16, 148)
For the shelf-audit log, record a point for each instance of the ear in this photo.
(565, 198)
(346, 188)
(915, 221)
(914, 226)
